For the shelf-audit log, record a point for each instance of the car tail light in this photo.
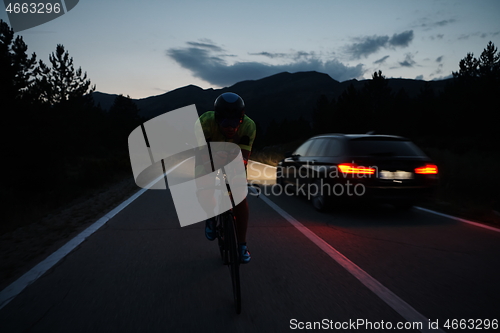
(428, 169)
(355, 169)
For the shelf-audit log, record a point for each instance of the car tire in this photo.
(319, 199)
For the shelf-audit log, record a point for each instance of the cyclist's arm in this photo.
(246, 155)
(247, 139)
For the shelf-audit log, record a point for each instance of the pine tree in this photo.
(468, 68)
(272, 133)
(486, 68)
(123, 117)
(377, 114)
(322, 115)
(15, 65)
(489, 64)
(124, 108)
(62, 82)
(474, 95)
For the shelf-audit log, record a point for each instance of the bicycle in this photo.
(228, 242)
(228, 247)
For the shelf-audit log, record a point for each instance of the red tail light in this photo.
(355, 169)
(428, 169)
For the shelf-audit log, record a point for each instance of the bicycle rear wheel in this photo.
(234, 259)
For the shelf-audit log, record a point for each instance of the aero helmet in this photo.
(229, 109)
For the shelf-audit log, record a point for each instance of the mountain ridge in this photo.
(279, 96)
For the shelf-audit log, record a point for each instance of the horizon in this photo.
(212, 88)
(148, 48)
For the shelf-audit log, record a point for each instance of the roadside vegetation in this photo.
(57, 146)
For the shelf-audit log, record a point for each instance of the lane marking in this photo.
(32, 275)
(477, 224)
(16, 287)
(459, 219)
(391, 299)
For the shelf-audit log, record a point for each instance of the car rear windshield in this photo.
(383, 147)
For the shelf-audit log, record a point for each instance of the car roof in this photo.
(358, 136)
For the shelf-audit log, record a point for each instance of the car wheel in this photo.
(319, 199)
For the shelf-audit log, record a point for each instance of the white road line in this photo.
(33, 274)
(459, 219)
(391, 299)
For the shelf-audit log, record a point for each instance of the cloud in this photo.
(381, 60)
(206, 46)
(401, 40)
(464, 36)
(367, 45)
(270, 55)
(206, 63)
(301, 54)
(427, 24)
(408, 62)
(419, 77)
(293, 55)
(437, 24)
(444, 22)
(446, 77)
(438, 71)
(478, 34)
(438, 36)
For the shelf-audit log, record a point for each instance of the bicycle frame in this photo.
(228, 245)
(228, 241)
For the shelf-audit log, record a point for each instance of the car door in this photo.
(291, 164)
(309, 163)
(328, 157)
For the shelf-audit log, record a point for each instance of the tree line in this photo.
(55, 141)
(464, 115)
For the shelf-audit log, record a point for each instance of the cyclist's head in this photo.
(229, 110)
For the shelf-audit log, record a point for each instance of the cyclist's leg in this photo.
(205, 193)
(206, 197)
(241, 213)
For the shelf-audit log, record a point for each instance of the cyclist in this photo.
(228, 123)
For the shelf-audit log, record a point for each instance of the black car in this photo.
(377, 168)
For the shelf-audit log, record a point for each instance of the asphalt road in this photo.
(142, 272)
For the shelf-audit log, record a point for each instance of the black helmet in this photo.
(229, 106)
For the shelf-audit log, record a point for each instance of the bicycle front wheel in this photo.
(221, 240)
(234, 259)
